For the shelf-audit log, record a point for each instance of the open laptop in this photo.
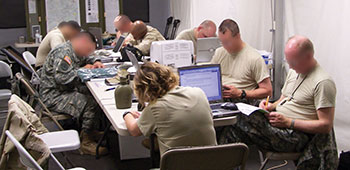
(206, 49)
(208, 78)
(119, 43)
(133, 59)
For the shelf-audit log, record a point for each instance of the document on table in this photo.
(249, 109)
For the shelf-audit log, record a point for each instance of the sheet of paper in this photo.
(91, 8)
(32, 6)
(248, 109)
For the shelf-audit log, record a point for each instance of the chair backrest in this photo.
(5, 70)
(26, 159)
(30, 60)
(221, 157)
(16, 57)
(27, 85)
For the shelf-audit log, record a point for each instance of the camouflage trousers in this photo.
(257, 130)
(81, 106)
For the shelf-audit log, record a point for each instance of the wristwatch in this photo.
(243, 95)
(125, 113)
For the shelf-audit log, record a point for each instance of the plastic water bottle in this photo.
(37, 37)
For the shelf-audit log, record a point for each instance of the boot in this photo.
(96, 135)
(88, 145)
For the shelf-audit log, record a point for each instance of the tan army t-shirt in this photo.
(244, 70)
(317, 90)
(188, 35)
(180, 118)
(144, 45)
(51, 40)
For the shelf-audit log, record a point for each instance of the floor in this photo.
(110, 162)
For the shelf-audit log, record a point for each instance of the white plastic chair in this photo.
(30, 60)
(61, 141)
(27, 160)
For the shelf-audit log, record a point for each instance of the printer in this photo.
(174, 53)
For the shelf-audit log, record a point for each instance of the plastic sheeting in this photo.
(88, 74)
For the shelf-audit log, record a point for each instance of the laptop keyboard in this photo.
(215, 106)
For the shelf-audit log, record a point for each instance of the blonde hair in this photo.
(153, 81)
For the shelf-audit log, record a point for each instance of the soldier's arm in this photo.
(64, 72)
(146, 43)
(324, 124)
(91, 60)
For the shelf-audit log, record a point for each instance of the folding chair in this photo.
(176, 25)
(30, 60)
(5, 94)
(27, 160)
(277, 156)
(169, 21)
(34, 95)
(220, 157)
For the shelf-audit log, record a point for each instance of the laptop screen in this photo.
(119, 43)
(206, 77)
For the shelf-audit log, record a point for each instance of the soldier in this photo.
(206, 29)
(62, 91)
(301, 118)
(244, 73)
(64, 32)
(142, 36)
(123, 25)
(138, 33)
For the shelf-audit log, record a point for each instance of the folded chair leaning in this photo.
(24, 124)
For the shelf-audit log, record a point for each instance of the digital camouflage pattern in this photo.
(318, 151)
(61, 89)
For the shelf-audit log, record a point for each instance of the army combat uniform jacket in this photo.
(60, 87)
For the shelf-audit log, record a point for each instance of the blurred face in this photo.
(206, 32)
(83, 47)
(296, 60)
(123, 27)
(230, 43)
(71, 33)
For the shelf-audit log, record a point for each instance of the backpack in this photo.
(138, 54)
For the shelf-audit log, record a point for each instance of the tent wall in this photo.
(325, 22)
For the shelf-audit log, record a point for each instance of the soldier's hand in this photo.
(135, 114)
(89, 66)
(231, 92)
(263, 106)
(98, 65)
(279, 120)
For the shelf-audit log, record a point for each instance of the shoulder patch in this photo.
(67, 59)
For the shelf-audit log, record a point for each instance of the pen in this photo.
(267, 101)
(110, 89)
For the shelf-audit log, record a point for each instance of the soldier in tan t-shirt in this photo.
(138, 33)
(302, 119)
(179, 116)
(142, 36)
(206, 29)
(244, 73)
(64, 32)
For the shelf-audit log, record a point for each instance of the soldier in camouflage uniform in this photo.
(63, 92)
(300, 119)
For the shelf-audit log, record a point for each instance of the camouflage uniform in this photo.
(61, 89)
(257, 130)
